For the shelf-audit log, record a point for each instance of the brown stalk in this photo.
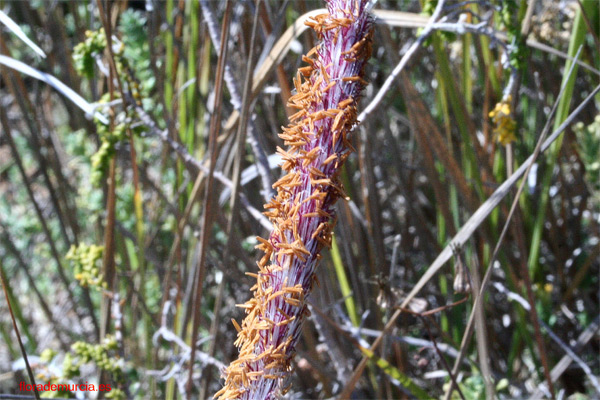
(442, 358)
(588, 24)
(175, 251)
(10, 246)
(415, 109)
(581, 274)
(53, 249)
(333, 346)
(348, 231)
(215, 123)
(435, 141)
(253, 138)
(32, 121)
(371, 201)
(240, 139)
(108, 259)
(16, 329)
(21, 96)
(415, 216)
(194, 167)
(137, 197)
(282, 77)
(530, 296)
(53, 25)
(481, 332)
(66, 193)
(430, 138)
(525, 28)
(529, 163)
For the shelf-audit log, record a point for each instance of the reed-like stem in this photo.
(302, 213)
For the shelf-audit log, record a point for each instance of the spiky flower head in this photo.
(302, 213)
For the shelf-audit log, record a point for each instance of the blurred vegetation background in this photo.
(131, 193)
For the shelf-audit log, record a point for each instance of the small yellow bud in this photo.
(505, 125)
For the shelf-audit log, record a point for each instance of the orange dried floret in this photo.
(330, 159)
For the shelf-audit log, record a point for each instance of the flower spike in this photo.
(302, 213)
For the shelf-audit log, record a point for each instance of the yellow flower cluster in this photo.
(84, 260)
(504, 124)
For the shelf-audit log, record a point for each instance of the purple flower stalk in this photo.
(302, 213)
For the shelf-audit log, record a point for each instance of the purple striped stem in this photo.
(327, 91)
